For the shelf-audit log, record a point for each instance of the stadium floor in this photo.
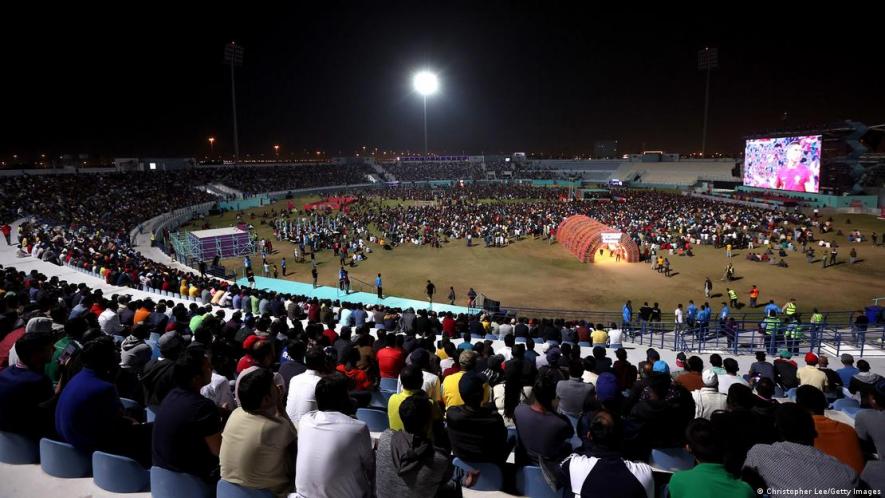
(333, 293)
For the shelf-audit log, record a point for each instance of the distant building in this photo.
(605, 149)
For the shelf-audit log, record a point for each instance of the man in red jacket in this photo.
(390, 359)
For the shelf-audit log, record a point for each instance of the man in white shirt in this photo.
(335, 455)
(218, 391)
(302, 398)
(708, 399)
(109, 320)
(506, 329)
(615, 336)
(730, 376)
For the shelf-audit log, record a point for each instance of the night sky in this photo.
(514, 78)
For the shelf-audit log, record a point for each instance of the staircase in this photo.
(225, 191)
(382, 173)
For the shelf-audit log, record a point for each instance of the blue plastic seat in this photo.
(130, 404)
(226, 489)
(490, 476)
(168, 484)
(584, 344)
(17, 449)
(844, 404)
(60, 459)
(150, 415)
(530, 482)
(791, 393)
(671, 459)
(375, 419)
(388, 384)
(490, 337)
(520, 340)
(119, 474)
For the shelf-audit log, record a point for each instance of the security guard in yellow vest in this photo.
(790, 309)
(770, 327)
(733, 297)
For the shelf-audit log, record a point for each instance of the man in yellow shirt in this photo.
(810, 375)
(599, 337)
(451, 394)
(412, 380)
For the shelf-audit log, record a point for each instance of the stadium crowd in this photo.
(413, 171)
(275, 396)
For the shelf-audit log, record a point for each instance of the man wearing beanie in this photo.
(810, 375)
(476, 431)
(451, 391)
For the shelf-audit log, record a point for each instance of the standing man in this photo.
(6, 229)
(378, 286)
(283, 266)
(754, 296)
(431, 289)
(833, 253)
(732, 297)
(471, 298)
(452, 296)
(313, 273)
(708, 287)
(202, 267)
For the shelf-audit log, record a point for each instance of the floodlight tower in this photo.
(708, 59)
(425, 83)
(233, 55)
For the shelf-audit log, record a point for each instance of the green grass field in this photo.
(533, 273)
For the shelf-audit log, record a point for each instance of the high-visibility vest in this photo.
(817, 318)
(790, 309)
(770, 325)
(732, 295)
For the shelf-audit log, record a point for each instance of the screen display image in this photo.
(783, 163)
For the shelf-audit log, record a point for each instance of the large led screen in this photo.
(784, 163)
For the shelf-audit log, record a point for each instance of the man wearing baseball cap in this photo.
(810, 375)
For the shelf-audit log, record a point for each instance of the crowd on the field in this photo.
(412, 171)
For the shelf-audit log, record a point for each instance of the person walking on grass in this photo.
(452, 296)
(313, 273)
(378, 284)
(754, 296)
(708, 287)
(430, 290)
(283, 266)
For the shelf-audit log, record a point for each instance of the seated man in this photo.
(574, 392)
(603, 472)
(837, 439)
(89, 414)
(407, 464)
(794, 463)
(24, 388)
(709, 478)
(187, 430)
(335, 451)
(543, 433)
(258, 441)
(477, 432)
(411, 381)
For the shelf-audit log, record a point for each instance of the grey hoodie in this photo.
(134, 354)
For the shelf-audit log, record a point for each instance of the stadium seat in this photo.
(168, 484)
(584, 344)
(791, 393)
(150, 415)
(843, 404)
(530, 482)
(490, 477)
(119, 474)
(226, 489)
(671, 459)
(552, 343)
(520, 340)
(376, 419)
(388, 384)
(63, 460)
(490, 337)
(17, 449)
(130, 404)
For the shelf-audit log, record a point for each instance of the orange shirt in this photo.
(838, 440)
(141, 315)
(754, 293)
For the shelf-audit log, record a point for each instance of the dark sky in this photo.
(515, 77)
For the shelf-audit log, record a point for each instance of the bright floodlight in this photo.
(425, 83)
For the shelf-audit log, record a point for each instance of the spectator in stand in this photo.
(708, 399)
(810, 375)
(476, 431)
(624, 370)
(25, 391)
(709, 478)
(730, 377)
(158, 377)
(834, 438)
(834, 382)
(451, 393)
(863, 381)
(603, 472)
(258, 441)
(793, 462)
(573, 393)
(542, 433)
(692, 379)
(335, 450)
(761, 368)
(430, 383)
(302, 398)
(187, 429)
(411, 381)
(785, 371)
(390, 358)
(848, 369)
(870, 424)
(89, 414)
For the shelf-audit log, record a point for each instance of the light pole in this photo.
(211, 147)
(708, 59)
(233, 55)
(425, 83)
(276, 151)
